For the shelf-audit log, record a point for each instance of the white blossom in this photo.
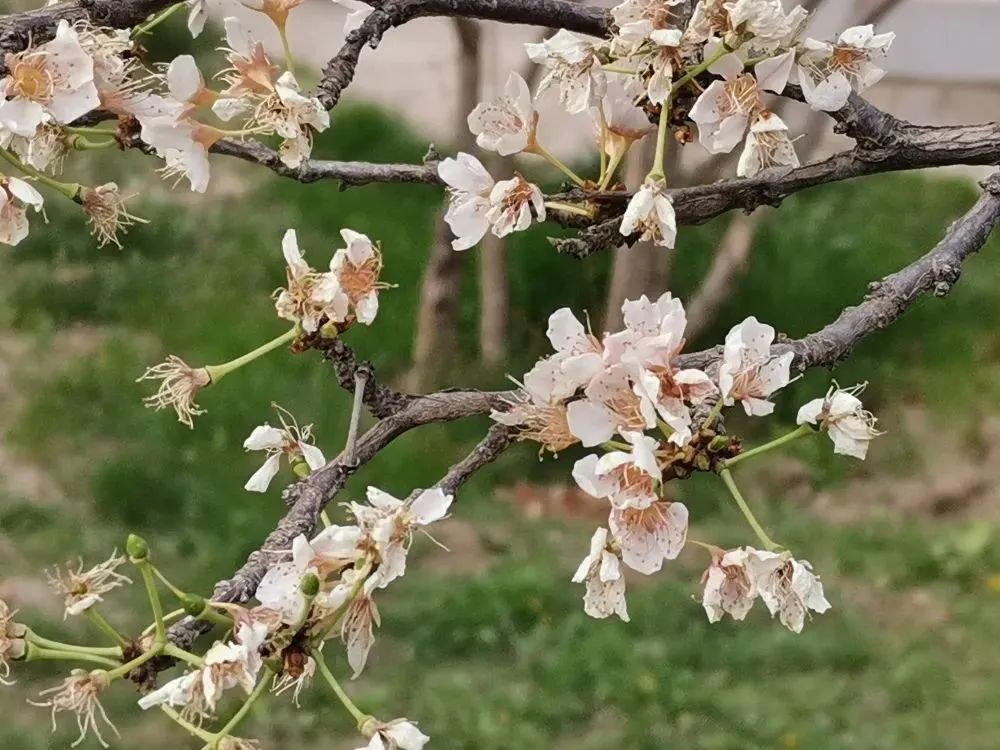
(749, 373)
(628, 479)
(577, 350)
(505, 124)
(648, 536)
(55, 79)
(788, 587)
(538, 411)
(612, 404)
(729, 585)
(393, 531)
(850, 426)
(469, 188)
(356, 270)
(16, 196)
(197, 15)
(294, 118)
(767, 146)
(82, 589)
(571, 61)
(641, 21)
(512, 204)
(357, 12)
(828, 71)
(310, 296)
(290, 441)
(605, 585)
(626, 123)
(398, 734)
(651, 213)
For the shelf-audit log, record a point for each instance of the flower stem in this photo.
(156, 20)
(795, 434)
(70, 189)
(713, 414)
(36, 653)
(603, 141)
(218, 372)
(168, 617)
(697, 70)
(122, 670)
(656, 172)
(196, 731)
(180, 654)
(765, 540)
(33, 637)
(154, 600)
(106, 627)
(568, 208)
(359, 716)
(83, 144)
(551, 159)
(616, 69)
(612, 167)
(245, 708)
(286, 49)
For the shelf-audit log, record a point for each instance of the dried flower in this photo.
(80, 694)
(107, 213)
(85, 588)
(310, 295)
(12, 645)
(179, 388)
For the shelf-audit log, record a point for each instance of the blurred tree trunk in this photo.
(494, 293)
(435, 345)
(642, 268)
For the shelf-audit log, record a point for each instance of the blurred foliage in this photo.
(504, 657)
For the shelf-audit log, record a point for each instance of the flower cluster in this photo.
(654, 419)
(712, 71)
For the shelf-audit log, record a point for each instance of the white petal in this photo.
(261, 478)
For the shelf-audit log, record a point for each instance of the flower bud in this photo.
(193, 604)
(136, 548)
(309, 584)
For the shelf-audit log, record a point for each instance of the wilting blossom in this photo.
(16, 196)
(46, 150)
(12, 644)
(570, 61)
(538, 409)
(648, 536)
(650, 213)
(763, 23)
(749, 373)
(628, 479)
(291, 441)
(612, 404)
(107, 214)
(788, 587)
(55, 80)
(180, 385)
(80, 694)
(356, 270)
(601, 572)
(828, 71)
(505, 124)
(398, 734)
(294, 117)
(767, 146)
(357, 626)
(310, 296)
(83, 589)
(396, 521)
(851, 427)
(641, 21)
(729, 585)
(626, 123)
(469, 188)
(183, 145)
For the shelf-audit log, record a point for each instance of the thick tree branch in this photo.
(498, 439)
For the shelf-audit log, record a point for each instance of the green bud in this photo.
(309, 584)
(193, 604)
(719, 443)
(136, 547)
(301, 469)
(329, 330)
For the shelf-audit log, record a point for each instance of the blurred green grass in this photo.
(501, 656)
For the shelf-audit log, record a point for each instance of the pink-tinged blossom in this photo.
(601, 572)
(648, 536)
(505, 124)
(310, 297)
(537, 412)
(356, 269)
(828, 71)
(650, 213)
(749, 373)
(571, 61)
(850, 426)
